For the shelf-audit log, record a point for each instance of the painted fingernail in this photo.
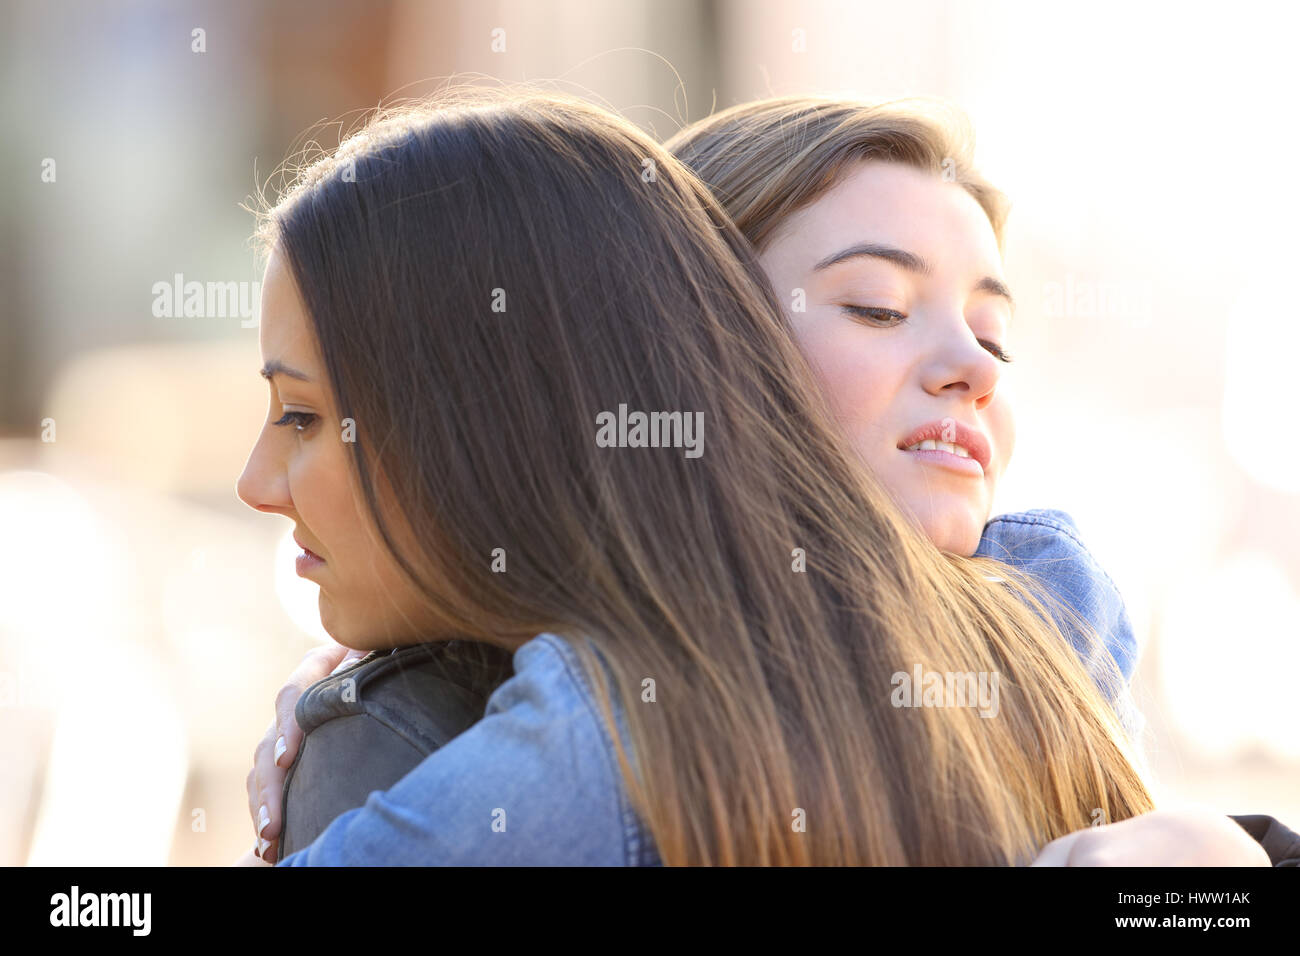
(280, 748)
(262, 845)
(263, 819)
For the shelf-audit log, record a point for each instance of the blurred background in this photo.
(147, 617)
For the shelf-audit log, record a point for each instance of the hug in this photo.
(649, 681)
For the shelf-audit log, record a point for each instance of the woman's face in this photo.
(300, 468)
(904, 310)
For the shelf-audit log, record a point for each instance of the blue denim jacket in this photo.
(1046, 543)
(536, 781)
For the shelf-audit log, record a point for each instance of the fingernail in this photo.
(262, 845)
(280, 748)
(263, 819)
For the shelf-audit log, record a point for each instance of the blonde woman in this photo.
(884, 244)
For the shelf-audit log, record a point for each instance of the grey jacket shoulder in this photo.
(368, 725)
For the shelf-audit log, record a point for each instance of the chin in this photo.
(956, 534)
(363, 630)
(330, 620)
(961, 544)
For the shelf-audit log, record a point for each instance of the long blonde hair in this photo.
(770, 737)
(766, 159)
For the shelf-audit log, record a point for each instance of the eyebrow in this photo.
(909, 261)
(276, 367)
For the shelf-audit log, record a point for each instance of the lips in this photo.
(298, 541)
(951, 430)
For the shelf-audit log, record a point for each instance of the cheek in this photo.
(859, 377)
(324, 498)
(1002, 430)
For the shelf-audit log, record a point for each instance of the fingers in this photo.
(262, 807)
(250, 859)
(1102, 846)
(1189, 836)
(1230, 843)
(278, 748)
(1057, 853)
(317, 664)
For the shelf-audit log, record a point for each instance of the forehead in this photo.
(902, 206)
(285, 333)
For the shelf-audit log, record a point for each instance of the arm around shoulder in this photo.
(532, 783)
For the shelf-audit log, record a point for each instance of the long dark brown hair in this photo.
(487, 275)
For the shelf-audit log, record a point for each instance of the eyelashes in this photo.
(884, 318)
(874, 314)
(300, 420)
(996, 351)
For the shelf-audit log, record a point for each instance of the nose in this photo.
(960, 364)
(263, 485)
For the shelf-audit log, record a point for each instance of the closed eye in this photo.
(886, 317)
(876, 315)
(996, 351)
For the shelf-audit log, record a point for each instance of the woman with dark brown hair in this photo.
(706, 646)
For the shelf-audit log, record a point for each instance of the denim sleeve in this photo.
(1046, 544)
(535, 782)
